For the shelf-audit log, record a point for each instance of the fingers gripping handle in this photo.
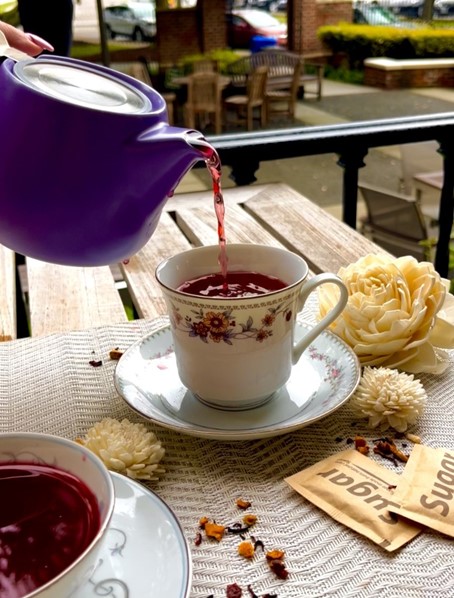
(308, 288)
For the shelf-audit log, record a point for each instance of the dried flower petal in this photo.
(278, 568)
(115, 354)
(271, 555)
(250, 520)
(243, 504)
(126, 447)
(389, 398)
(246, 549)
(413, 438)
(234, 591)
(213, 530)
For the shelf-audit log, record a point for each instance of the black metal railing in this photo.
(244, 152)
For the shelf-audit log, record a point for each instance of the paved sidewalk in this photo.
(319, 177)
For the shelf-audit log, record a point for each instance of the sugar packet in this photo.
(425, 492)
(356, 491)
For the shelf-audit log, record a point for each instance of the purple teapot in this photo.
(87, 160)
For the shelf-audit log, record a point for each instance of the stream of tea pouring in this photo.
(213, 164)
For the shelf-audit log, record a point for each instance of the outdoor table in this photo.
(184, 80)
(47, 384)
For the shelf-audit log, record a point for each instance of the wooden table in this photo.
(431, 180)
(47, 384)
(64, 298)
(428, 186)
(184, 80)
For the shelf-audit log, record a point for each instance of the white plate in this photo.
(145, 554)
(324, 378)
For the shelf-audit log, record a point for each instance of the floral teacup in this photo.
(235, 352)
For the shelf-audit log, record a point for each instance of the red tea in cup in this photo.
(48, 517)
(235, 284)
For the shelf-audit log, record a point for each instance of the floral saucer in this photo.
(145, 553)
(325, 377)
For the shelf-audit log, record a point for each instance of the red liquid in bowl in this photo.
(235, 284)
(48, 517)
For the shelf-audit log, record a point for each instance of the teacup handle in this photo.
(308, 287)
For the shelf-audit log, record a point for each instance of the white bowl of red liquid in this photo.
(56, 502)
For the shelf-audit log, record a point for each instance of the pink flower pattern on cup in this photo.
(217, 326)
(334, 372)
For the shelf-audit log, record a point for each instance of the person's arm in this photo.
(26, 42)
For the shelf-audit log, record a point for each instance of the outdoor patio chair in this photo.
(416, 158)
(395, 222)
(139, 70)
(244, 105)
(205, 66)
(283, 101)
(204, 101)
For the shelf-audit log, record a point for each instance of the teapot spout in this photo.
(179, 150)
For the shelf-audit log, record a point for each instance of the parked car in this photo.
(443, 8)
(136, 20)
(373, 14)
(406, 8)
(278, 6)
(243, 25)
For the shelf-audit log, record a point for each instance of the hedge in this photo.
(359, 42)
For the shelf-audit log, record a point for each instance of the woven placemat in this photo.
(48, 385)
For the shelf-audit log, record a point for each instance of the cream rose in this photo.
(397, 313)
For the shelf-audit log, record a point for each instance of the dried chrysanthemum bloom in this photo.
(398, 313)
(389, 398)
(126, 447)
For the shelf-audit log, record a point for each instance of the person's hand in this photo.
(26, 42)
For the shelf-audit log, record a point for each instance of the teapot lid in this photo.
(83, 85)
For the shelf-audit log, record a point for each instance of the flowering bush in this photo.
(399, 313)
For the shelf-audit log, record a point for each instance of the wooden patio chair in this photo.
(139, 70)
(283, 101)
(205, 66)
(244, 105)
(395, 222)
(204, 101)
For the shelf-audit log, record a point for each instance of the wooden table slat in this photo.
(200, 226)
(63, 298)
(66, 298)
(7, 295)
(139, 272)
(303, 227)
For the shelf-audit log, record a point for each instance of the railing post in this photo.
(243, 169)
(446, 213)
(351, 161)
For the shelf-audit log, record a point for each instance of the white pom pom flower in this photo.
(126, 448)
(389, 398)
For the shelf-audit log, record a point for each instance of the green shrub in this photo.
(9, 12)
(223, 57)
(346, 75)
(358, 42)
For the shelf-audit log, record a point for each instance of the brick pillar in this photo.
(176, 34)
(306, 16)
(212, 24)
